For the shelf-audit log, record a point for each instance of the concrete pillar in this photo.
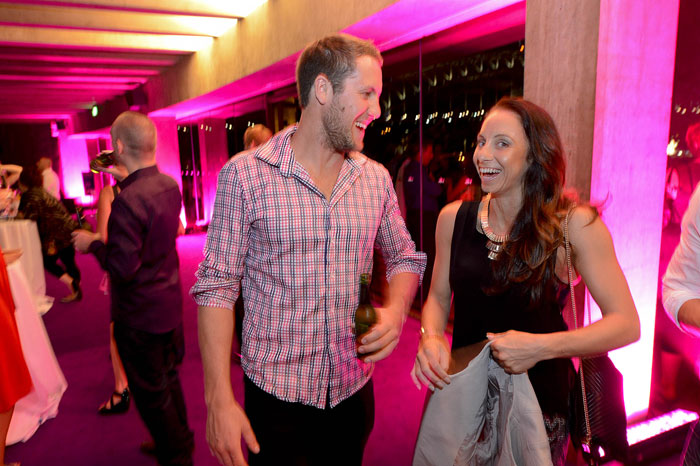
(604, 70)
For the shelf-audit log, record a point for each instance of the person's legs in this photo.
(296, 434)
(347, 427)
(67, 256)
(121, 386)
(51, 265)
(150, 362)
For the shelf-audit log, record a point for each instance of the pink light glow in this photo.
(393, 26)
(636, 53)
(410, 20)
(74, 161)
(664, 423)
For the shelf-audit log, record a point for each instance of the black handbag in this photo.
(598, 420)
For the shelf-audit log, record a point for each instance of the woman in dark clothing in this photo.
(55, 226)
(504, 261)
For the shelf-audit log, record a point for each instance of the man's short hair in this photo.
(256, 135)
(43, 163)
(335, 57)
(136, 131)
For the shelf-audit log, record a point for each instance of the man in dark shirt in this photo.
(143, 266)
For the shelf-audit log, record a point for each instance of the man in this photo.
(294, 226)
(143, 267)
(681, 285)
(422, 201)
(52, 184)
(255, 136)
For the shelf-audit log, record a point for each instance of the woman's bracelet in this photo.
(426, 335)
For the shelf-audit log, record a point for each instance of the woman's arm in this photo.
(11, 172)
(594, 258)
(104, 208)
(433, 356)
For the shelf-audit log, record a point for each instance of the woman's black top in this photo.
(477, 312)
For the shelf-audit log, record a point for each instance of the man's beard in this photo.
(338, 137)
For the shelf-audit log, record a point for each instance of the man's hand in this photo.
(118, 171)
(383, 337)
(225, 425)
(82, 239)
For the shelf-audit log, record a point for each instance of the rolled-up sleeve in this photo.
(681, 281)
(394, 240)
(219, 274)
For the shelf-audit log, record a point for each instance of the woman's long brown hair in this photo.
(529, 256)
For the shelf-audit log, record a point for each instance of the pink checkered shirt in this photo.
(298, 258)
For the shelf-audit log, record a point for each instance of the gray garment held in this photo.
(485, 417)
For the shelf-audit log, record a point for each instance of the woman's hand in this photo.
(432, 361)
(516, 352)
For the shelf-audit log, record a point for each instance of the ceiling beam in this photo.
(34, 68)
(100, 40)
(223, 9)
(53, 56)
(112, 20)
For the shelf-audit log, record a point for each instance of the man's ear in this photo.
(323, 89)
(120, 146)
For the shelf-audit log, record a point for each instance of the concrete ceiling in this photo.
(58, 58)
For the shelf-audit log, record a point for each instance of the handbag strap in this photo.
(570, 270)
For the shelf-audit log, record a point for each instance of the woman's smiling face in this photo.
(501, 153)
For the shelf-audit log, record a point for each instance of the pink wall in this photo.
(74, 161)
(636, 53)
(167, 149)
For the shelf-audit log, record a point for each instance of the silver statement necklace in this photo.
(495, 242)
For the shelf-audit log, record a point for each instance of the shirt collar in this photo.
(278, 152)
(140, 173)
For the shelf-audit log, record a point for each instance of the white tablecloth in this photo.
(23, 234)
(48, 380)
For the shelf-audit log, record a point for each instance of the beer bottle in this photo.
(103, 160)
(365, 316)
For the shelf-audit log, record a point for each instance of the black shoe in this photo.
(119, 407)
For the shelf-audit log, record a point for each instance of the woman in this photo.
(15, 381)
(505, 262)
(55, 227)
(120, 399)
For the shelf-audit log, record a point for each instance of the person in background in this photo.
(502, 263)
(294, 226)
(141, 258)
(51, 182)
(55, 226)
(681, 284)
(15, 381)
(423, 200)
(255, 136)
